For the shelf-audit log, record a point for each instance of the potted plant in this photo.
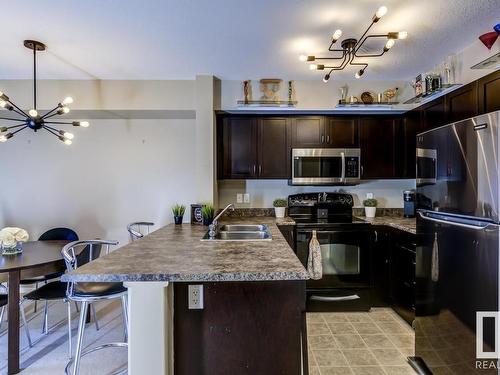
(178, 211)
(370, 207)
(207, 211)
(279, 207)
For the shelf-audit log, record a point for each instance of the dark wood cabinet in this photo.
(341, 132)
(407, 145)
(308, 132)
(378, 138)
(288, 231)
(434, 114)
(462, 103)
(273, 159)
(239, 147)
(488, 93)
(381, 261)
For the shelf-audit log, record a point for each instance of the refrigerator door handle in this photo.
(333, 299)
(453, 222)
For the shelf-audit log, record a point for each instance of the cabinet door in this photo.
(381, 295)
(378, 139)
(434, 114)
(308, 132)
(341, 132)
(488, 93)
(406, 146)
(272, 148)
(239, 147)
(462, 103)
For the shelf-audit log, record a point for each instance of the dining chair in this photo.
(54, 234)
(139, 229)
(56, 291)
(90, 292)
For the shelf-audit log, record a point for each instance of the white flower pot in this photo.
(370, 211)
(279, 211)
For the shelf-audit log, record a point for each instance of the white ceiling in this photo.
(232, 39)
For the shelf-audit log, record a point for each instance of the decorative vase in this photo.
(279, 211)
(370, 211)
(178, 219)
(11, 250)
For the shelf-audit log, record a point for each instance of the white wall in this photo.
(116, 171)
(262, 192)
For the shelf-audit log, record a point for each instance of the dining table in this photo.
(38, 258)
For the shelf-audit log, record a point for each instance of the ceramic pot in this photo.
(207, 220)
(370, 211)
(279, 211)
(178, 219)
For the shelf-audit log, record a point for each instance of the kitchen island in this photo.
(252, 320)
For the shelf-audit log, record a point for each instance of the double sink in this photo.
(241, 232)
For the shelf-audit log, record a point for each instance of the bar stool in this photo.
(91, 292)
(139, 229)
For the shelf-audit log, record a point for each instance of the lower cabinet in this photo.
(394, 271)
(288, 232)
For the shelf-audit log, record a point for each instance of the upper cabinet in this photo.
(488, 93)
(342, 132)
(273, 160)
(308, 132)
(462, 103)
(434, 114)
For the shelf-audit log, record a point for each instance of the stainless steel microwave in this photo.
(325, 166)
(426, 166)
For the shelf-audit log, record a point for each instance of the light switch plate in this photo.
(195, 297)
(246, 198)
(369, 195)
(239, 198)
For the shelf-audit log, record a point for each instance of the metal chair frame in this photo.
(71, 260)
(136, 229)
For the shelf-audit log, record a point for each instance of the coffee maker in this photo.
(409, 203)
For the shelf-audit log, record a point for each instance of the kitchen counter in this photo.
(175, 253)
(398, 222)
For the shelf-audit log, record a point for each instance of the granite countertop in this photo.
(398, 222)
(175, 253)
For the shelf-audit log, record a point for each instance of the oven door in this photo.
(426, 166)
(324, 166)
(345, 257)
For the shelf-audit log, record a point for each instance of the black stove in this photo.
(345, 250)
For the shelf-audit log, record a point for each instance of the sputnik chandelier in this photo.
(350, 49)
(33, 119)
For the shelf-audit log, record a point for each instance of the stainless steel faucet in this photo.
(214, 227)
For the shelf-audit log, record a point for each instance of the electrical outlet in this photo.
(239, 198)
(369, 195)
(195, 297)
(246, 198)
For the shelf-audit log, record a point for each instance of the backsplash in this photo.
(389, 193)
(256, 212)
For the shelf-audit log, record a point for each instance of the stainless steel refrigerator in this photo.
(458, 248)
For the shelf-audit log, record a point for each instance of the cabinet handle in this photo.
(254, 169)
(322, 139)
(328, 139)
(260, 169)
(362, 171)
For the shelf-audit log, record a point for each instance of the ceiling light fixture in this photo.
(351, 46)
(33, 119)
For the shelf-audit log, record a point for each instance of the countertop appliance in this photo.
(409, 203)
(345, 248)
(325, 166)
(458, 245)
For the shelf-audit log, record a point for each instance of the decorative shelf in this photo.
(267, 103)
(429, 95)
(343, 104)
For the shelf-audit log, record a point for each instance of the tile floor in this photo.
(371, 343)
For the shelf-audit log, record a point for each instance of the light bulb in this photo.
(6, 105)
(359, 73)
(33, 113)
(382, 11)
(389, 44)
(68, 141)
(66, 135)
(84, 124)
(65, 109)
(313, 67)
(3, 129)
(336, 35)
(3, 103)
(4, 138)
(402, 35)
(303, 58)
(3, 96)
(326, 78)
(67, 100)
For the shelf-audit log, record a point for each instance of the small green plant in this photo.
(280, 202)
(370, 202)
(208, 211)
(178, 209)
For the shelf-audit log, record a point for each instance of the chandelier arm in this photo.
(358, 43)
(18, 110)
(58, 122)
(50, 131)
(356, 49)
(52, 115)
(18, 130)
(15, 126)
(51, 128)
(49, 112)
(12, 119)
(332, 58)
